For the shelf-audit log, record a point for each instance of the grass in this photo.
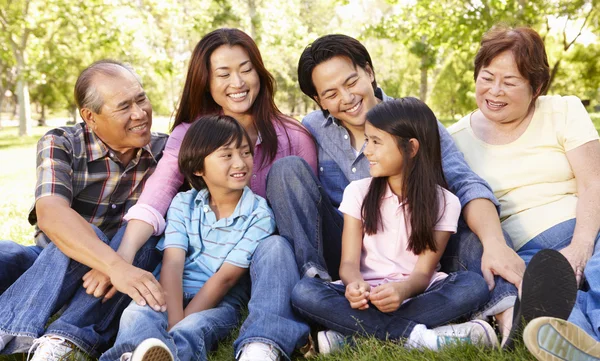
(17, 182)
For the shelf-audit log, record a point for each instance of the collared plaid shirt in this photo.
(75, 164)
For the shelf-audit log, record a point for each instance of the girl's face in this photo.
(502, 94)
(381, 149)
(234, 83)
(228, 168)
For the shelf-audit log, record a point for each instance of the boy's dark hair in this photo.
(422, 174)
(325, 48)
(205, 136)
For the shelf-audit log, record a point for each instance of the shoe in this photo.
(549, 289)
(52, 348)
(151, 349)
(330, 341)
(259, 351)
(553, 339)
(476, 332)
(4, 340)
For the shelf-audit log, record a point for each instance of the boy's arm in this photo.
(171, 279)
(213, 291)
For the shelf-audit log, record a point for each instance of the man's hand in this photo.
(501, 260)
(357, 293)
(140, 285)
(578, 256)
(388, 297)
(96, 283)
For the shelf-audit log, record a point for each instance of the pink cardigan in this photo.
(162, 186)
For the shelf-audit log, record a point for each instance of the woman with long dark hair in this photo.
(226, 75)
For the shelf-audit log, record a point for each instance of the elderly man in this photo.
(88, 176)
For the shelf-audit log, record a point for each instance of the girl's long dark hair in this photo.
(422, 174)
(196, 99)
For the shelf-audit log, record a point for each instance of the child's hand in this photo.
(357, 293)
(96, 283)
(388, 297)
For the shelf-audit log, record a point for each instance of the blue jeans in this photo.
(54, 281)
(305, 216)
(270, 316)
(449, 299)
(463, 253)
(586, 313)
(191, 338)
(15, 259)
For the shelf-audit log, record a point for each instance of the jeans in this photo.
(586, 313)
(53, 281)
(463, 253)
(191, 338)
(270, 316)
(446, 300)
(305, 216)
(15, 259)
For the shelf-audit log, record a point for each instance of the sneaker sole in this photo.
(549, 289)
(157, 353)
(550, 339)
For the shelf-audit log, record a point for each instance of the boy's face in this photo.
(228, 169)
(344, 90)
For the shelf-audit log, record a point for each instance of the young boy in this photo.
(212, 231)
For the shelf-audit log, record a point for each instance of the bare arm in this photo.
(390, 296)
(498, 258)
(215, 288)
(76, 239)
(585, 162)
(171, 278)
(357, 290)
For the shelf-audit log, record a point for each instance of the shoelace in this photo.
(48, 345)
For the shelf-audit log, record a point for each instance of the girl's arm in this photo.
(388, 297)
(172, 282)
(357, 290)
(217, 286)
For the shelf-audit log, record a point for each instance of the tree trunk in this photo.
(253, 20)
(24, 107)
(423, 87)
(552, 75)
(42, 120)
(73, 112)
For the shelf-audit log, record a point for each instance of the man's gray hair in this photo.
(86, 93)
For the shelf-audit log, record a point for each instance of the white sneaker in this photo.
(151, 349)
(476, 332)
(330, 341)
(259, 351)
(51, 348)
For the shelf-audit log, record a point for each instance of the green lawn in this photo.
(17, 181)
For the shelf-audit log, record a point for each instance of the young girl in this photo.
(396, 227)
(211, 234)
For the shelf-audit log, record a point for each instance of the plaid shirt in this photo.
(75, 164)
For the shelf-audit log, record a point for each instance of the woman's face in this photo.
(503, 95)
(234, 83)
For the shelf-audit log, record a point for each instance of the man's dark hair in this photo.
(325, 48)
(207, 134)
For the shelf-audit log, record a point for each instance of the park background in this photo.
(421, 48)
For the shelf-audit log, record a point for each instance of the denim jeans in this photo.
(463, 253)
(586, 313)
(270, 316)
(305, 216)
(446, 300)
(53, 281)
(15, 259)
(191, 338)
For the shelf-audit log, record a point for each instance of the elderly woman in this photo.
(541, 156)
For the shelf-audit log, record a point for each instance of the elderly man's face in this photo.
(125, 119)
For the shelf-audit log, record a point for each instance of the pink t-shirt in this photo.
(385, 257)
(163, 185)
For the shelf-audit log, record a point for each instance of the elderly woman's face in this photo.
(503, 95)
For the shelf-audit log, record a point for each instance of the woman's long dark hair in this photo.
(196, 99)
(422, 174)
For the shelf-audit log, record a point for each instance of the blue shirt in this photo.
(338, 166)
(208, 242)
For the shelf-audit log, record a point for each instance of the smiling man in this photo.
(336, 71)
(88, 176)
